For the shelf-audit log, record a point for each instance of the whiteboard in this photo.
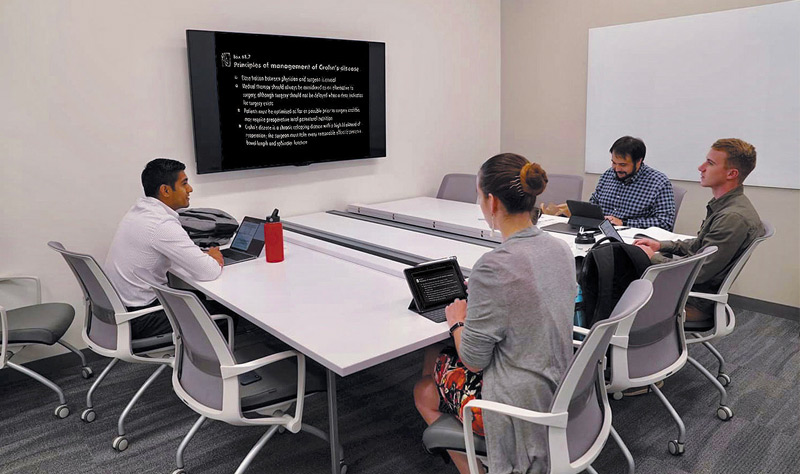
(679, 84)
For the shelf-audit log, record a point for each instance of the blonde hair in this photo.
(741, 155)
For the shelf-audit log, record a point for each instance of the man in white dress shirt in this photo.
(150, 240)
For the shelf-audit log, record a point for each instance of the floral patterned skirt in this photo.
(457, 386)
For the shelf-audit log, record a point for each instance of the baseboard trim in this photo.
(765, 307)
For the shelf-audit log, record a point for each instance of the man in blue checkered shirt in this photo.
(633, 194)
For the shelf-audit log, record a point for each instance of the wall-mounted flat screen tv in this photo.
(265, 100)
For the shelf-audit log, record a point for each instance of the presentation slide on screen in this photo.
(276, 95)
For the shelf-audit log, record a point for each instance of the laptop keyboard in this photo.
(436, 315)
(236, 256)
(233, 256)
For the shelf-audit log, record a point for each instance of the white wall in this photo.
(92, 90)
(544, 79)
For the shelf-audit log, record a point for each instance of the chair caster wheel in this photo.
(617, 395)
(88, 415)
(342, 467)
(62, 411)
(120, 443)
(724, 413)
(724, 379)
(178, 471)
(675, 448)
(86, 372)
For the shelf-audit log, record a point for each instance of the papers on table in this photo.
(655, 233)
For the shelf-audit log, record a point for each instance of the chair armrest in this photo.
(548, 419)
(580, 330)
(558, 420)
(217, 317)
(3, 336)
(293, 425)
(23, 277)
(619, 341)
(229, 371)
(576, 344)
(723, 298)
(125, 317)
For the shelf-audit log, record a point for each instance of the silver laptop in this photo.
(248, 242)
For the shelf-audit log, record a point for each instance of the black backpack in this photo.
(607, 270)
(208, 227)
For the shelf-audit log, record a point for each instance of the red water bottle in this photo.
(273, 238)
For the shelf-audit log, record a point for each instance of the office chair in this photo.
(579, 419)
(459, 187)
(561, 187)
(722, 324)
(40, 323)
(107, 332)
(207, 378)
(679, 193)
(651, 346)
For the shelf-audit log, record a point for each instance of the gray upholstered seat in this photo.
(278, 382)
(39, 324)
(699, 326)
(447, 433)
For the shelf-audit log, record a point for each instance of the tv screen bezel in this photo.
(206, 125)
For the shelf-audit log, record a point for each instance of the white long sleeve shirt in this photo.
(148, 242)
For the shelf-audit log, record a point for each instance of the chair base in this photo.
(62, 410)
(179, 455)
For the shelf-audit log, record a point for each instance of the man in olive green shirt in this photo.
(731, 222)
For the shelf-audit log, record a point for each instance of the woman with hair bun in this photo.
(513, 339)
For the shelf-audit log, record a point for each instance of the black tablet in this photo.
(436, 284)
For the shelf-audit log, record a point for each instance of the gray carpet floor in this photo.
(381, 430)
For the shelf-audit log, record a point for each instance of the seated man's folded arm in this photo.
(728, 235)
(173, 242)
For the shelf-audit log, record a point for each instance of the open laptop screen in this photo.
(251, 229)
(436, 284)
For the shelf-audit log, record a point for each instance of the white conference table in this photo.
(342, 308)
(455, 217)
(426, 246)
(466, 219)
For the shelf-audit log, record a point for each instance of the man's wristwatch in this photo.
(455, 326)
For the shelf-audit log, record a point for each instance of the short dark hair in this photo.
(741, 155)
(513, 180)
(160, 171)
(629, 146)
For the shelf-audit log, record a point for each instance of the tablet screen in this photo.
(609, 231)
(436, 283)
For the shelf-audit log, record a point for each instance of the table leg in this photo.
(333, 419)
